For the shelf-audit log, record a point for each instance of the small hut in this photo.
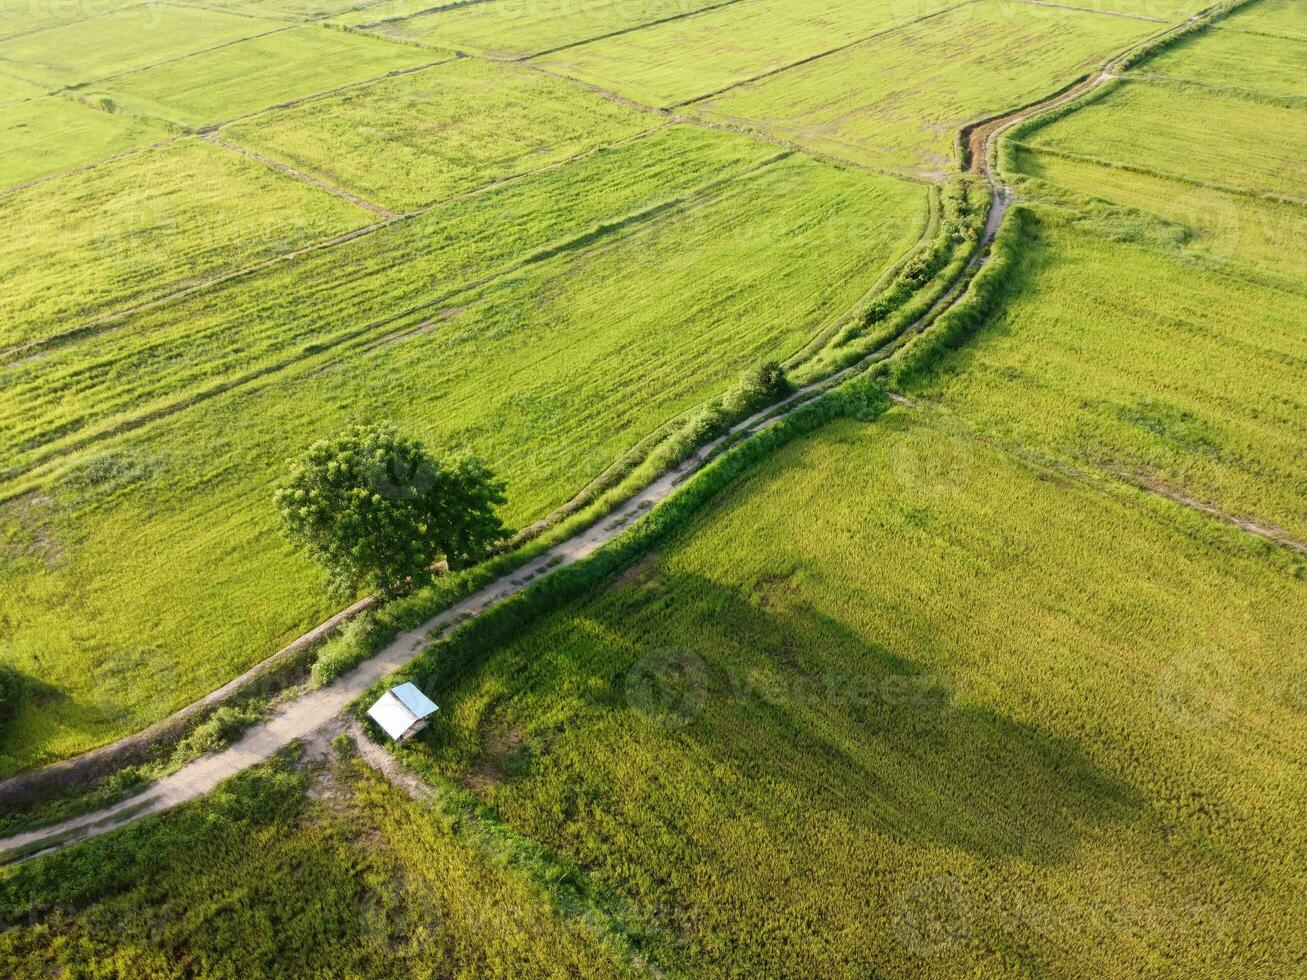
(402, 711)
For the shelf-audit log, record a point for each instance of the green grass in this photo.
(550, 369)
(87, 50)
(676, 61)
(1171, 11)
(1283, 18)
(406, 142)
(290, 9)
(25, 17)
(1275, 66)
(286, 873)
(1225, 226)
(258, 73)
(899, 100)
(101, 240)
(330, 303)
(376, 11)
(50, 134)
(513, 28)
(898, 704)
(1174, 129)
(1119, 356)
(16, 90)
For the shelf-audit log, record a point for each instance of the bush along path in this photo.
(305, 714)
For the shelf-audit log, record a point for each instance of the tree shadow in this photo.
(760, 686)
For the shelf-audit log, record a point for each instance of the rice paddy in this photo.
(517, 28)
(49, 134)
(243, 78)
(85, 51)
(899, 100)
(508, 365)
(294, 874)
(1278, 18)
(689, 57)
(1003, 677)
(29, 16)
(1225, 226)
(1200, 401)
(144, 225)
(1221, 58)
(1206, 135)
(426, 136)
(809, 732)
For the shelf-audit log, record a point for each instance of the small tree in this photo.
(760, 385)
(377, 511)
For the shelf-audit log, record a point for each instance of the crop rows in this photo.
(260, 879)
(480, 330)
(898, 100)
(808, 733)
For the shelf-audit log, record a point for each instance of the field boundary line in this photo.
(1248, 30)
(217, 9)
(84, 83)
(107, 321)
(79, 20)
(130, 151)
(362, 340)
(1091, 10)
(1261, 96)
(425, 12)
(325, 94)
(1103, 478)
(289, 171)
(625, 30)
(820, 55)
(1245, 192)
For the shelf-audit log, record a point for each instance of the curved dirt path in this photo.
(305, 714)
(309, 712)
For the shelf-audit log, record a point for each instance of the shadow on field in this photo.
(795, 705)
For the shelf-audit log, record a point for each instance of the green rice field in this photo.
(259, 73)
(50, 134)
(1278, 18)
(806, 735)
(509, 365)
(1208, 136)
(1222, 58)
(16, 90)
(679, 60)
(162, 219)
(85, 51)
(899, 100)
(27, 17)
(982, 658)
(1225, 226)
(515, 28)
(291, 874)
(1201, 401)
(422, 137)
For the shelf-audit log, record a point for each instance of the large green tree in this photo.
(377, 511)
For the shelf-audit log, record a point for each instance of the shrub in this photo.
(343, 746)
(217, 731)
(350, 646)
